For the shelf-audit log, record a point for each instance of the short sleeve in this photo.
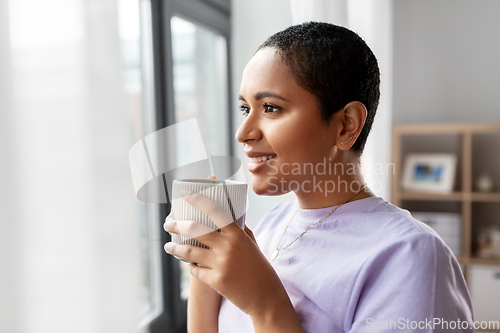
(413, 284)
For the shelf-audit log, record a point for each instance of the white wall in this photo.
(372, 20)
(446, 61)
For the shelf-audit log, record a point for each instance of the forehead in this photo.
(266, 71)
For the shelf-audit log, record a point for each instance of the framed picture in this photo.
(429, 172)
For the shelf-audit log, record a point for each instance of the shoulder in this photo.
(400, 243)
(408, 231)
(385, 233)
(379, 221)
(410, 270)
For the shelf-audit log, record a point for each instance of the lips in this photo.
(256, 166)
(263, 158)
(259, 159)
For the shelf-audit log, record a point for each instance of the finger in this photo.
(193, 229)
(214, 211)
(199, 272)
(168, 218)
(189, 252)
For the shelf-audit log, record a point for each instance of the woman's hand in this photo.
(234, 266)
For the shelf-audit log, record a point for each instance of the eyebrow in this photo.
(263, 94)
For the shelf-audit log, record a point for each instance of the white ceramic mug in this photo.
(229, 194)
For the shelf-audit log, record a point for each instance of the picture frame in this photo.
(430, 172)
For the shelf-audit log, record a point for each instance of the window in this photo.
(200, 81)
(137, 59)
(176, 68)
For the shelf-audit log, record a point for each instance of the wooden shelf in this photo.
(410, 195)
(476, 147)
(463, 260)
(469, 143)
(485, 197)
(484, 261)
(447, 128)
(453, 196)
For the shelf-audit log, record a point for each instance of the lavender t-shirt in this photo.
(367, 267)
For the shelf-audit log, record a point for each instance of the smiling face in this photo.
(282, 119)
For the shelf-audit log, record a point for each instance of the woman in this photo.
(336, 258)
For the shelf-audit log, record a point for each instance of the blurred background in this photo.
(82, 80)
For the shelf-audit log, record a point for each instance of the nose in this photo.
(249, 130)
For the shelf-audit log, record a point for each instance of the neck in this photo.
(332, 189)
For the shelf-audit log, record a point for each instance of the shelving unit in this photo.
(477, 147)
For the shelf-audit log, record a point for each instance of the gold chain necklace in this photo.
(277, 251)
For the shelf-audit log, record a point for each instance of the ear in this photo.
(352, 120)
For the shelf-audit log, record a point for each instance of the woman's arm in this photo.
(204, 305)
(203, 308)
(278, 316)
(234, 266)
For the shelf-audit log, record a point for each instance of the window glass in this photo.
(200, 91)
(136, 54)
(200, 82)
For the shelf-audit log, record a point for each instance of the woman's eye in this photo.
(271, 108)
(244, 110)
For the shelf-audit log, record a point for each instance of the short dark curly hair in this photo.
(335, 65)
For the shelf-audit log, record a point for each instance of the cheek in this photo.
(298, 137)
(290, 134)
(301, 142)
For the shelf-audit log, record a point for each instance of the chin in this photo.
(263, 187)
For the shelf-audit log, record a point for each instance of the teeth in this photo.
(263, 158)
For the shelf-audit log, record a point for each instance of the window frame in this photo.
(215, 15)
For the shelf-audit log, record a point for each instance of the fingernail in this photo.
(169, 247)
(185, 193)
